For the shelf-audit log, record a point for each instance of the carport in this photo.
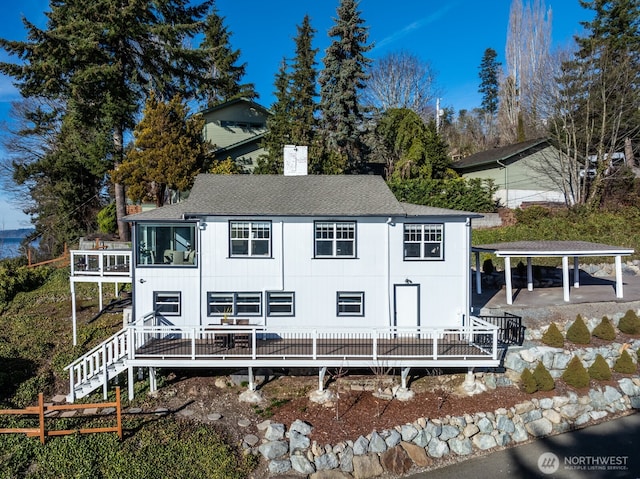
(549, 249)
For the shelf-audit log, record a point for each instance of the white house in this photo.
(310, 271)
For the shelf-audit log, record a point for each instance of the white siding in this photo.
(378, 265)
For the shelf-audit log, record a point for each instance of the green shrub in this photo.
(629, 323)
(599, 370)
(553, 337)
(624, 364)
(528, 381)
(532, 214)
(576, 375)
(543, 378)
(107, 221)
(605, 330)
(578, 332)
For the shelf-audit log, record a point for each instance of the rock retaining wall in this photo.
(422, 442)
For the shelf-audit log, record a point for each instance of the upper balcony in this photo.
(105, 263)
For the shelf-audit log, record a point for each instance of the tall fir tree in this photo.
(104, 56)
(304, 105)
(278, 126)
(167, 154)
(489, 81)
(224, 74)
(341, 83)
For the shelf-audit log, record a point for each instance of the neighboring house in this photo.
(236, 129)
(311, 271)
(519, 171)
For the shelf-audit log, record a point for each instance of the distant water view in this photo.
(9, 247)
(10, 242)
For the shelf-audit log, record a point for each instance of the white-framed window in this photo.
(170, 244)
(234, 304)
(280, 303)
(167, 303)
(423, 241)
(249, 238)
(350, 303)
(335, 239)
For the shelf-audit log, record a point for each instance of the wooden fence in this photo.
(41, 411)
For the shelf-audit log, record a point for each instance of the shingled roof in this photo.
(504, 153)
(277, 195)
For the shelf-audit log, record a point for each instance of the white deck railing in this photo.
(100, 262)
(478, 340)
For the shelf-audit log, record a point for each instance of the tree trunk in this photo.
(121, 200)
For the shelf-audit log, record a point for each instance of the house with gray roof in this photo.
(334, 250)
(522, 172)
(236, 129)
(297, 271)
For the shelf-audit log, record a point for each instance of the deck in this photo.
(252, 346)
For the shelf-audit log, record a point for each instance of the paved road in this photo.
(607, 450)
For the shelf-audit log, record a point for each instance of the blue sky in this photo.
(452, 36)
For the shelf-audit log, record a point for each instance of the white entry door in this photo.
(407, 305)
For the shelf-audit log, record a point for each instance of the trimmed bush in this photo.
(578, 332)
(553, 337)
(576, 375)
(629, 323)
(599, 370)
(605, 330)
(624, 364)
(543, 378)
(528, 381)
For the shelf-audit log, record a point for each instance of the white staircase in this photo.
(98, 366)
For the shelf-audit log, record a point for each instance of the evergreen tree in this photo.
(341, 81)
(294, 113)
(65, 183)
(409, 147)
(489, 81)
(167, 154)
(278, 126)
(104, 55)
(224, 75)
(303, 87)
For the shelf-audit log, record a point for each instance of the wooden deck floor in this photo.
(288, 349)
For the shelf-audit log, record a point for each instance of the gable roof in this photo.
(277, 195)
(226, 104)
(504, 153)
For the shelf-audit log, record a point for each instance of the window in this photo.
(234, 304)
(350, 304)
(250, 238)
(423, 241)
(335, 239)
(280, 304)
(166, 244)
(167, 303)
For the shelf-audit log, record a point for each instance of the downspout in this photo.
(388, 272)
(467, 266)
(506, 182)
